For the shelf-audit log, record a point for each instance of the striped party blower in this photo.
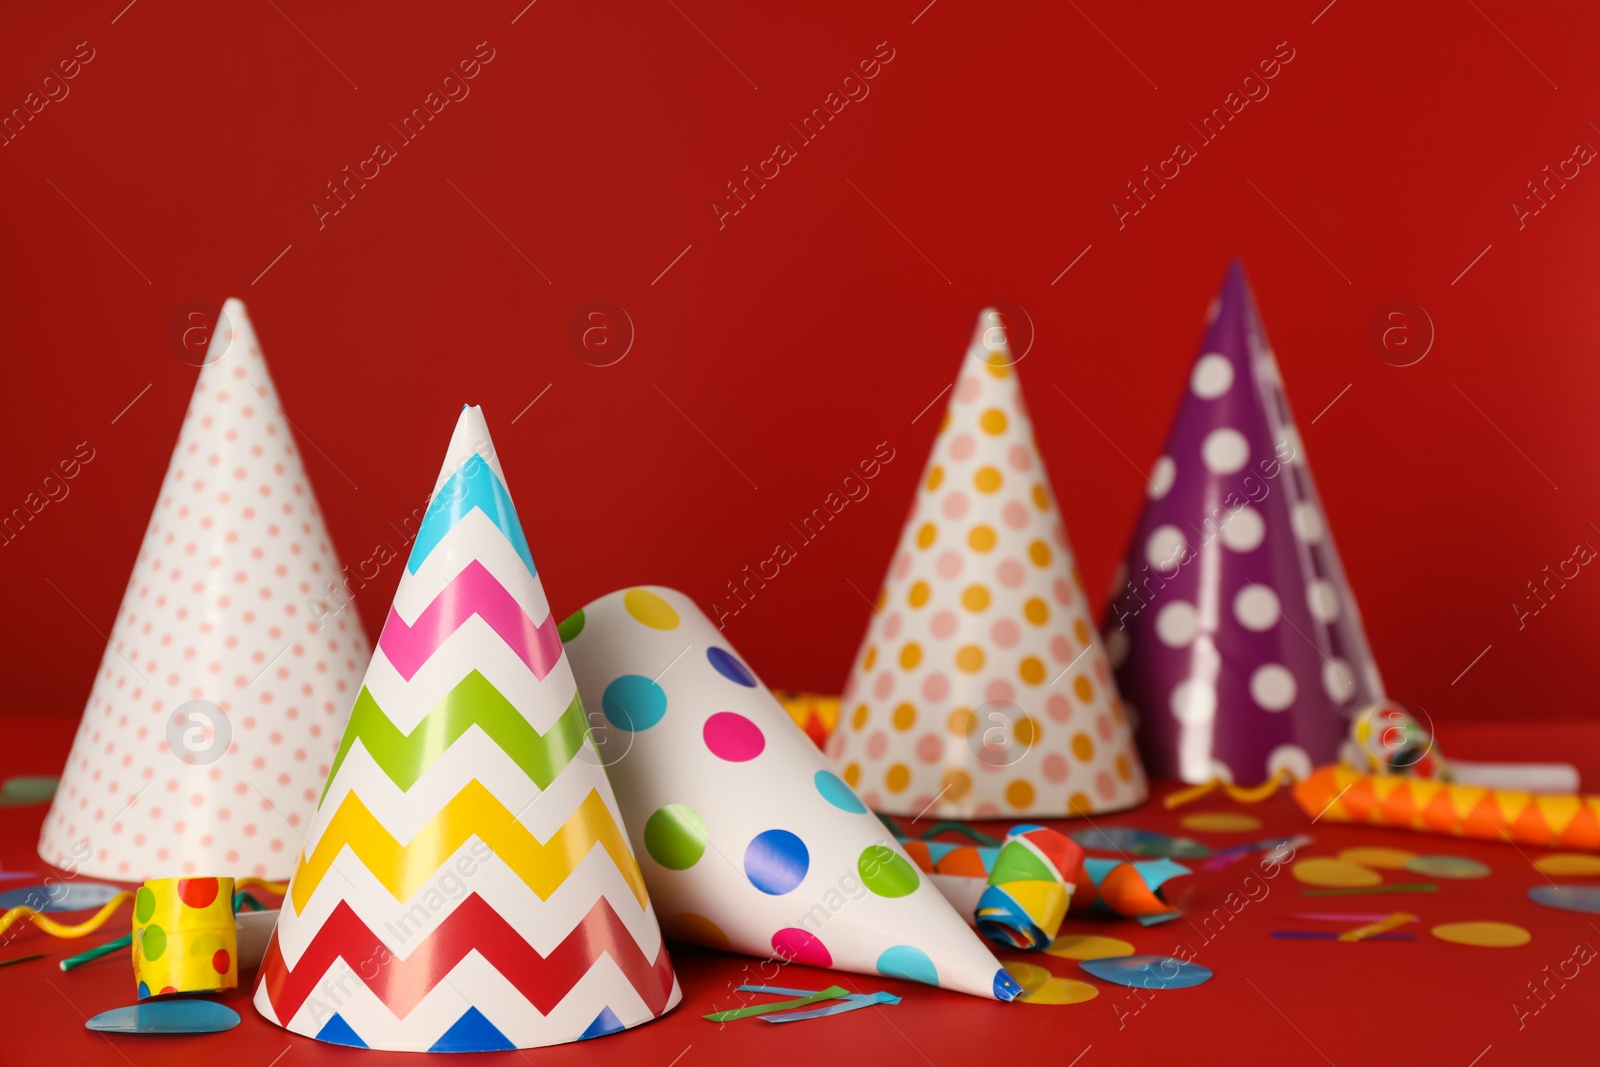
(467, 883)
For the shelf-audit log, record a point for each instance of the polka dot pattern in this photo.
(229, 603)
(997, 619)
(1231, 624)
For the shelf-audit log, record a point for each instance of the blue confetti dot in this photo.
(912, 964)
(835, 792)
(633, 702)
(730, 668)
(1148, 972)
(776, 862)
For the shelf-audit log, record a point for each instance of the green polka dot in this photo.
(154, 941)
(571, 626)
(675, 837)
(144, 904)
(886, 872)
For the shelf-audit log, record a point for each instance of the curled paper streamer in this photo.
(184, 937)
(1030, 886)
(1386, 739)
(1343, 794)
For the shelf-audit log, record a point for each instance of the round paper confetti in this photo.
(1447, 867)
(1148, 972)
(776, 861)
(675, 837)
(1323, 871)
(166, 1017)
(1483, 934)
(1569, 865)
(59, 896)
(1088, 947)
(1138, 843)
(28, 789)
(1039, 986)
(1221, 822)
(1378, 858)
(1582, 898)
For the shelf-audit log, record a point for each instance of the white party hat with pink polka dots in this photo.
(748, 842)
(218, 704)
(982, 689)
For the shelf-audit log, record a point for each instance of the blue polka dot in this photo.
(144, 991)
(909, 963)
(730, 668)
(633, 702)
(776, 861)
(835, 792)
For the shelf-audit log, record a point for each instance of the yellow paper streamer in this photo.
(1243, 794)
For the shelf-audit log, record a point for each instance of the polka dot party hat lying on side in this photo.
(748, 841)
(467, 884)
(230, 668)
(981, 689)
(1235, 637)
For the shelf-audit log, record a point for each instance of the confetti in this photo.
(1335, 873)
(1483, 934)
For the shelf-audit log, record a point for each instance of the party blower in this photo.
(748, 841)
(467, 884)
(222, 691)
(981, 689)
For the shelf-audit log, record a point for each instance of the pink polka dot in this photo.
(988, 811)
(1063, 591)
(733, 737)
(893, 621)
(949, 565)
(1005, 633)
(923, 802)
(955, 505)
(935, 687)
(873, 801)
(877, 744)
(1105, 785)
(1020, 458)
(902, 565)
(943, 623)
(969, 388)
(884, 686)
(1015, 515)
(962, 446)
(1055, 767)
(1011, 573)
(1000, 689)
(930, 748)
(836, 744)
(1058, 707)
(1102, 671)
(1061, 649)
(1103, 727)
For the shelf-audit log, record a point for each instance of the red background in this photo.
(809, 329)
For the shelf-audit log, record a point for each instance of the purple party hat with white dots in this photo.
(1236, 640)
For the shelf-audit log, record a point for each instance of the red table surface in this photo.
(1421, 1002)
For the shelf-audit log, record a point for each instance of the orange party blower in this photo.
(1342, 794)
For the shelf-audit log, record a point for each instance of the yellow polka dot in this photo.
(1026, 731)
(935, 478)
(962, 722)
(1019, 794)
(1083, 689)
(970, 658)
(1041, 497)
(1221, 822)
(981, 538)
(919, 594)
(1083, 748)
(975, 598)
(1036, 611)
(905, 716)
(898, 778)
(1031, 669)
(944, 423)
(1080, 804)
(870, 658)
(1039, 986)
(999, 364)
(852, 774)
(1080, 630)
(883, 599)
(650, 609)
(987, 479)
(993, 421)
(956, 784)
(1039, 552)
(1325, 871)
(1568, 865)
(1124, 769)
(927, 535)
(911, 655)
(858, 721)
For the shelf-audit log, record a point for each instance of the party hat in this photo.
(219, 700)
(748, 841)
(981, 689)
(1235, 637)
(466, 883)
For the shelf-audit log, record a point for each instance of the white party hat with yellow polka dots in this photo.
(981, 689)
(230, 669)
(748, 842)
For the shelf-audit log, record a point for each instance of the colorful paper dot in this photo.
(570, 627)
(1483, 934)
(729, 667)
(675, 836)
(197, 892)
(153, 942)
(633, 702)
(909, 963)
(886, 872)
(144, 904)
(835, 792)
(221, 961)
(801, 946)
(696, 930)
(776, 862)
(650, 609)
(733, 737)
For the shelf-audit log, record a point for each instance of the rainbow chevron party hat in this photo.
(467, 883)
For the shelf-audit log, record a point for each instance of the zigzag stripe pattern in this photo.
(473, 702)
(474, 926)
(474, 485)
(472, 592)
(473, 812)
